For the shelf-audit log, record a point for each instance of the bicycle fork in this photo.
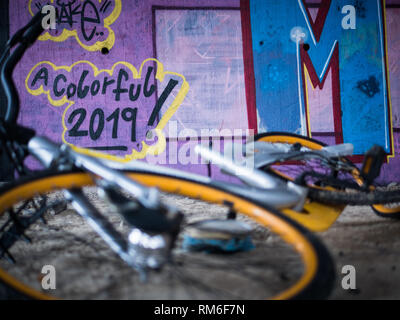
(154, 225)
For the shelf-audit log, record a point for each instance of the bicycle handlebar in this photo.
(26, 37)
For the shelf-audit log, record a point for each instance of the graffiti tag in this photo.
(87, 21)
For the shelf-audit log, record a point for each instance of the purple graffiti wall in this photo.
(115, 73)
(69, 84)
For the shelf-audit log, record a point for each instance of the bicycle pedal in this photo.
(372, 164)
(218, 236)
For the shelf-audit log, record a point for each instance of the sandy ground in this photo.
(359, 238)
(372, 245)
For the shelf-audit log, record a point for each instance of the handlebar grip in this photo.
(10, 90)
(33, 30)
(18, 36)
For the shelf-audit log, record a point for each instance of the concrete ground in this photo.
(358, 238)
(372, 245)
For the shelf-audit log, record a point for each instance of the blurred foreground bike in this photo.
(163, 233)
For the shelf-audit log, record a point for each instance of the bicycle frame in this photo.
(150, 248)
(260, 187)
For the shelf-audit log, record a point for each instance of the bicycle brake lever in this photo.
(338, 150)
(264, 154)
(19, 35)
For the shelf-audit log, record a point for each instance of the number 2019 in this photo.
(98, 121)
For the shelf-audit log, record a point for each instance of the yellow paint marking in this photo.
(156, 149)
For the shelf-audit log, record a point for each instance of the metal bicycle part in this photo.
(280, 197)
(338, 182)
(288, 261)
(141, 250)
(318, 273)
(62, 157)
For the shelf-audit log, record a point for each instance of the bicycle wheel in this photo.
(330, 183)
(288, 261)
(389, 210)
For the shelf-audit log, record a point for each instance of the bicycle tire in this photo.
(376, 199)
(386, 212)
(316, 280)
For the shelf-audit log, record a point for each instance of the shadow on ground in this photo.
(372, 245)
